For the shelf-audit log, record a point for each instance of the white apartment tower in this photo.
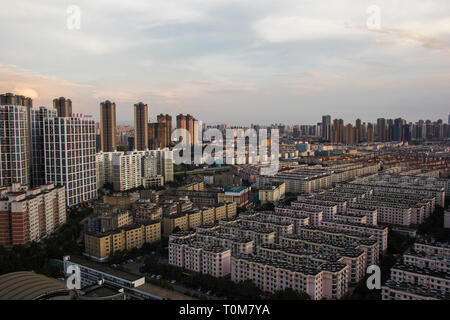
(15, 145)
(69, 146)
(126, 170)
(164, 163)
(37, 142)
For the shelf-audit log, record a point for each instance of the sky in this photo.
(232, 61)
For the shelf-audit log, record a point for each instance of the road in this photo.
(135, 268)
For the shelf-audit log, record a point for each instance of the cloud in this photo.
(428, 42)
(265, 60)
(294, 28)
(41, 88)
(27, 92)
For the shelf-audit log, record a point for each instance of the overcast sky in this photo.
(237, 62)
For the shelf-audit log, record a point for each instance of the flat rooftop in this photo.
(104, 268)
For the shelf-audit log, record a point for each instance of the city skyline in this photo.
(284, 62)
(190, 152)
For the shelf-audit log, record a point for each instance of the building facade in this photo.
(140, 126)
(108, 126)
(29, 214)
(69, 146)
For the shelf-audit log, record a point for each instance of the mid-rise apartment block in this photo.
(126, 171)
(199, 257)
(100, 245)
(191, 219)
(272, 193)
(329, 281)
(423, 275)
(29, 214)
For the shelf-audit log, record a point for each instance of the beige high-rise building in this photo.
(181, 124)
(359, 131)
(382, 132)
(140, 126)
(167, 119)
(157, 135)
(337, 131)
(370, 133)
(349, 134)
(108, 126)
(190, 124)
(63, 107)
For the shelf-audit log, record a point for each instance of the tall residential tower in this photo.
(63, 107)
(140, 126)
(108, 126)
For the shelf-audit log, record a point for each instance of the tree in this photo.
(117, 257)
(289, 294)
(176, 229)
(248, 290)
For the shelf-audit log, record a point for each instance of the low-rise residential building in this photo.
(100, 245)
(151, 182)
(329, 281)
(380, 233)
(423, 275)
(314, 216)
(240, 195)
(199, 257)
(272, 193)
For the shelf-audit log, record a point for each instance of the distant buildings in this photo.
(191, 125)
(326, 127)
(166, 137)
(63, 107)
(131, 170)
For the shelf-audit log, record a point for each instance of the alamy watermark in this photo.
(374, 280)
(374, 21)
(73, 277)
(239, 146)
(73, 21)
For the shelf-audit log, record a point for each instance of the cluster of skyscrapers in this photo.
(41, 146)
(384, 130)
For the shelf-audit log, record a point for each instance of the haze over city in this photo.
(237, 62)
